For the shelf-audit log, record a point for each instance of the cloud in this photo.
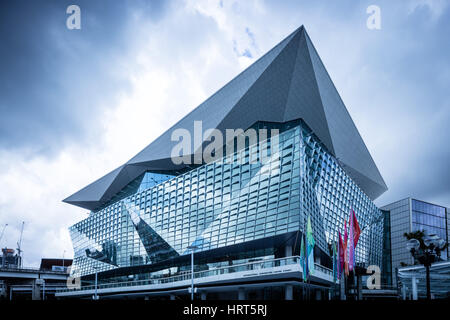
(77, 104)
(54, 81)
(165, 78)
(434, 8)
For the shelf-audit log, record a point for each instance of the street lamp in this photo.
(95, 292)
(192, 248)
(413, 245)
(433, 246)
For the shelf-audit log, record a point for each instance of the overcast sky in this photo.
(76, 104)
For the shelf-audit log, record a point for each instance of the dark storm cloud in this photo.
(395, 82)
(417, 66)
(52, 79)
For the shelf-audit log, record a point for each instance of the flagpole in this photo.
(307, 269)
(307, 264)
(308, 281)
(302, 210)
(308, 298)
(347, 248)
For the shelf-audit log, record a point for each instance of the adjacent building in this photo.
(10, 259)
(409, 215)
(18, 283)
(244, 213)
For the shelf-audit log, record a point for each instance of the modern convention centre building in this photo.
(243, 208)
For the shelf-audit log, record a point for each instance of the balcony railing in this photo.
(257, 265)
(32, 270)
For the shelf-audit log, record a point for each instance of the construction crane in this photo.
(3, 231)
(19, 244)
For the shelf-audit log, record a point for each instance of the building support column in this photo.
(288, 292)
(35, 290)
(203, 295)
(342, 287)
(359, 282)
(241, 294)
(318, 295)
(288, 251)
(414, 288)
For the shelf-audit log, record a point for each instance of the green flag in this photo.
(310, 242)
(303, 259)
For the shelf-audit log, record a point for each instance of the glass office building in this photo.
(146, 214)
(430, 218)
(409, 215)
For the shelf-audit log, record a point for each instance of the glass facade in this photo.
(431, 219)
(409, 215)
(225, 203)
(386, 276)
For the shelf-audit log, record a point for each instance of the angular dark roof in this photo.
(289, 82)
(46, 263)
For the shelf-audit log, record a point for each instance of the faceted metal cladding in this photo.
(221, 204)
(288, 83)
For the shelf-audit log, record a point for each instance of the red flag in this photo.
(345, 234)
(341, 254)
(345, 250)
(356, 229)
(351, 243)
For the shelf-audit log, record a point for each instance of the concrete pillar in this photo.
(414, 288)
(203, 295)
(241, 294)
(288, 251)
(359, 281)
(342, 287)
(318, 295)
(317, 259)
(36, 290)
(3, 288)
(403, 292)
(288, 292)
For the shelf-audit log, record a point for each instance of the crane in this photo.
(19, 243)
(3, 231)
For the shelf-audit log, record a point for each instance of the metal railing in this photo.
(47, 286)
(255, 266)
(31, 270)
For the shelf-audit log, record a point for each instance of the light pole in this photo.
(192, 248)
(426, 256)
(95, 292)
(43, 290)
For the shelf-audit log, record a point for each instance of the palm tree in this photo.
(418, 235)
